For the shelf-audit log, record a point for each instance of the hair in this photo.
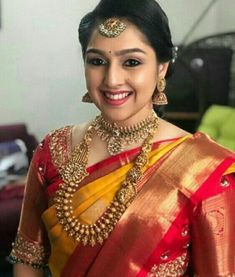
(146, 15)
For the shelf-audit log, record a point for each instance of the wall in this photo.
(41, 71)
(225, 20)
(184, 13)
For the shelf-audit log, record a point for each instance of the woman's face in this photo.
(122, 74)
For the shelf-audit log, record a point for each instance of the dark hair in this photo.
(146, 15)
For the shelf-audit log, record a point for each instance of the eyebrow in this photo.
(118, 53)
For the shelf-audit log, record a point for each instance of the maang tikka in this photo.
(159, 97)
(112, 27)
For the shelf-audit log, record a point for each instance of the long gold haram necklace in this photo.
(75, 171)
(118, 137)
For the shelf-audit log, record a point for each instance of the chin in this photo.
(125, 114)
(115, 116)
(121, 117)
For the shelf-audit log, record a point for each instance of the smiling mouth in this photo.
(116, 96)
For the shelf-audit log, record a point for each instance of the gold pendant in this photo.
(127, 194)
(115, 146)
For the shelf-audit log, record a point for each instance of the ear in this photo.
(162, 69)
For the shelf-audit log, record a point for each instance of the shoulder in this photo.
(201, 166)
(198, 140)
(56, 146)
(68, 136)
(58, 137)
(77, 133)
(196, 164)
(207, 146)
(167, 130)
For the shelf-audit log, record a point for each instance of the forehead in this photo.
(131, 37)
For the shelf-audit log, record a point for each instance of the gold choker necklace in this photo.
(75, 171)
(118, 137)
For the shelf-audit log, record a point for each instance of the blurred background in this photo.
(41, 70)
(42, 82)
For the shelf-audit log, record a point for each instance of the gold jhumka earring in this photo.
(112, 27)
(86, 98)
(159, 97)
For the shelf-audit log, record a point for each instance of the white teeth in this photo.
(116, 96)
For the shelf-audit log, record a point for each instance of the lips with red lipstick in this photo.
(116, 97)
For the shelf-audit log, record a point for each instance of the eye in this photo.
(96, 61)
(132, 63)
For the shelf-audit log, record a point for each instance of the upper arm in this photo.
(31, 245)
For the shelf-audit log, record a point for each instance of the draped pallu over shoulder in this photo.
(149, 232)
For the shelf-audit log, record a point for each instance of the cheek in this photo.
(92, 78)
(144, 79)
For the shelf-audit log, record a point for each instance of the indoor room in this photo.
(43, 83)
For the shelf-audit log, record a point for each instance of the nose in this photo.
(114, 76)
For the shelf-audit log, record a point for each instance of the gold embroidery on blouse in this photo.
(173, 268)
(28, 252)
(60, 146)
(216, 220)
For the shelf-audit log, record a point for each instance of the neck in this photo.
(131, 120)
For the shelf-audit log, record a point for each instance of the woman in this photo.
(127, 194)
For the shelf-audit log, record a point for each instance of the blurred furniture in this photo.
(218, 123)
(18, 131)
(11, 195)
(204, 74)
